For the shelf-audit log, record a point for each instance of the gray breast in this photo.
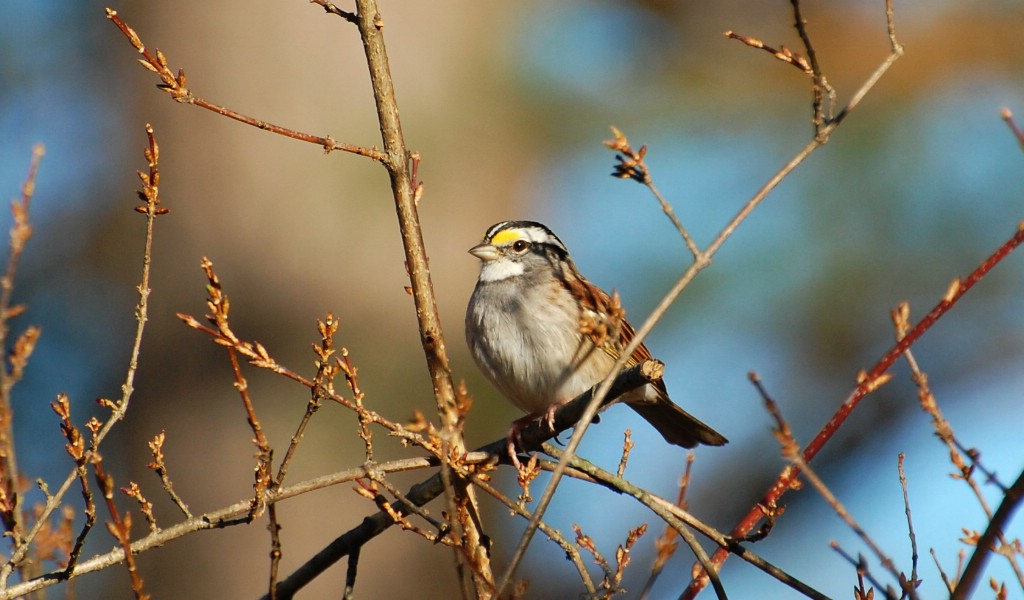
(531, 341)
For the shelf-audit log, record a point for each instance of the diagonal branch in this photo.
(1011, 501)
(868, 383)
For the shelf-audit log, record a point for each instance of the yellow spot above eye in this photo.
(506, 236)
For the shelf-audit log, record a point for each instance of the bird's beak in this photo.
(484, 252)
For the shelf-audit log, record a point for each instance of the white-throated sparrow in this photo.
(525, 328)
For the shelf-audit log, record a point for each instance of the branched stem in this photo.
(175, 85)
(150, 206)
(404, 188)
(10, 494)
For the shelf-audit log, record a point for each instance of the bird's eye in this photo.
(520, 246)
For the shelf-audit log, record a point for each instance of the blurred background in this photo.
(508, 108)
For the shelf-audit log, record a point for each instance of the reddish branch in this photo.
(21, 231)
(868, 383)
(119, 526)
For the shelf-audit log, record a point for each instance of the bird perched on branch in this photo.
(542, 334)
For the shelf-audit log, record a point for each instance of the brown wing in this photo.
(674, 424)
(595, 299)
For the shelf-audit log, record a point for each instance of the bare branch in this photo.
(176, 86)
(1011, 501)
(20, 233)
(156, 447)
(914, 581)
(783, 53)
(631, 165)
(406, 192)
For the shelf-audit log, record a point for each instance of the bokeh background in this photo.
(508, 106)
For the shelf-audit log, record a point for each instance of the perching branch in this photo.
(533, 436)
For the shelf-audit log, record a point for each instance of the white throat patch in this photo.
(502, 268)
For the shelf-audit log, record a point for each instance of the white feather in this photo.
(497, 270)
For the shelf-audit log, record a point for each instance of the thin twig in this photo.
(571, 550)
(942, 572)
(1012, 124)
(910, 523)
(151, 207)
(783, 53)
(331, 9)
(77, 450)
(176, 86)
(791, 452)
(895, 52)
(944, 431)
(822, 89)
(145, 506)
(323, 385)
(667, 543)
(631, 165)
(120, 526)
(627, 447)
(264, 456)
(274, 527)
(156, 447)
(863, 571)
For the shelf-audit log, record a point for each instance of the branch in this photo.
(175, 85)
(406, 191)
(150, 198)
(533, 435)
(867, 385)
(1012, 124)
(21, 231)
(228, 516)
(983, 548)
(965, 461)
(680, 520)
(701, 261)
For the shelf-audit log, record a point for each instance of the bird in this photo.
(542, 334)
